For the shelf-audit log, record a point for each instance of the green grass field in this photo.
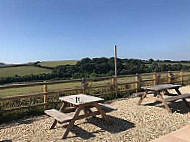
(57, 63)
(34, 89)
(22, 70)
(27, 70)
(62, 86)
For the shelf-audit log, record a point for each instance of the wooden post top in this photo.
(83, 99)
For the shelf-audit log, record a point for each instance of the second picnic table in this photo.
(79, 102)
(162, 89)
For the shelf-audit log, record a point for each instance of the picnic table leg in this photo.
(72, 122)
(165, 103)
(53, 125)
(90, 112)
(142, 97)
(166, 92)
(86, 112)
(64, 105)
(102, 112)
(184, 100)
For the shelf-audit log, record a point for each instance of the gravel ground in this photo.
(130, 123)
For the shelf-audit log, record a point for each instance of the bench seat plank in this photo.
(175, 98)
(59, 116)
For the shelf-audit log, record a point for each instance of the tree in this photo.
(151, 61)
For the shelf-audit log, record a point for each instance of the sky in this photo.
(48, 30)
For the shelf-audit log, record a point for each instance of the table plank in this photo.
(84, 99)
(161, 87)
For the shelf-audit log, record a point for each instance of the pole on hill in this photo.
(115, 62)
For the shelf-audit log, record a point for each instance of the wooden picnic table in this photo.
(79, 102)
(160, 90)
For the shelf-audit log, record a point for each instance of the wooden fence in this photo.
(106, 87)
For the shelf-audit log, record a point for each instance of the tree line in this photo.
(97, 67)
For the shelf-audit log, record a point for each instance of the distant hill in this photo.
(5, 65)
(22, 70)
(2, 64)
(98, 66)
(7, 70)
(57, 63)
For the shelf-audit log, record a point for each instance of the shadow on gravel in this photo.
(153, 104)
(79, 132)
(178, 107)
(117, 126)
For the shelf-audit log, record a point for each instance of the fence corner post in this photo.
(45, 91)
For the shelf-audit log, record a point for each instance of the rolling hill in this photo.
(31, 68)
(57, 63)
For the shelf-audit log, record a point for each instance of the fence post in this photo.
(158, 78)
(115, 85)
(155, 78)
(181, 76)
(84, 85)
(45, 91)
(169, 76)
(113, 81)
(137, 84)
(112, 87)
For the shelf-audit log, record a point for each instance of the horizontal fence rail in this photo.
(106, 87)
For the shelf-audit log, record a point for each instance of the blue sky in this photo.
(32, 30)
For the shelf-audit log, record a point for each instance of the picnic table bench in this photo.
(86, 103)
(64, 117)
(160, 90)
(175, 98)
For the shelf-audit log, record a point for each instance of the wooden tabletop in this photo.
(161, 87)
(84, 99)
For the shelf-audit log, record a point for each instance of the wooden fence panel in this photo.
(101, 86)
